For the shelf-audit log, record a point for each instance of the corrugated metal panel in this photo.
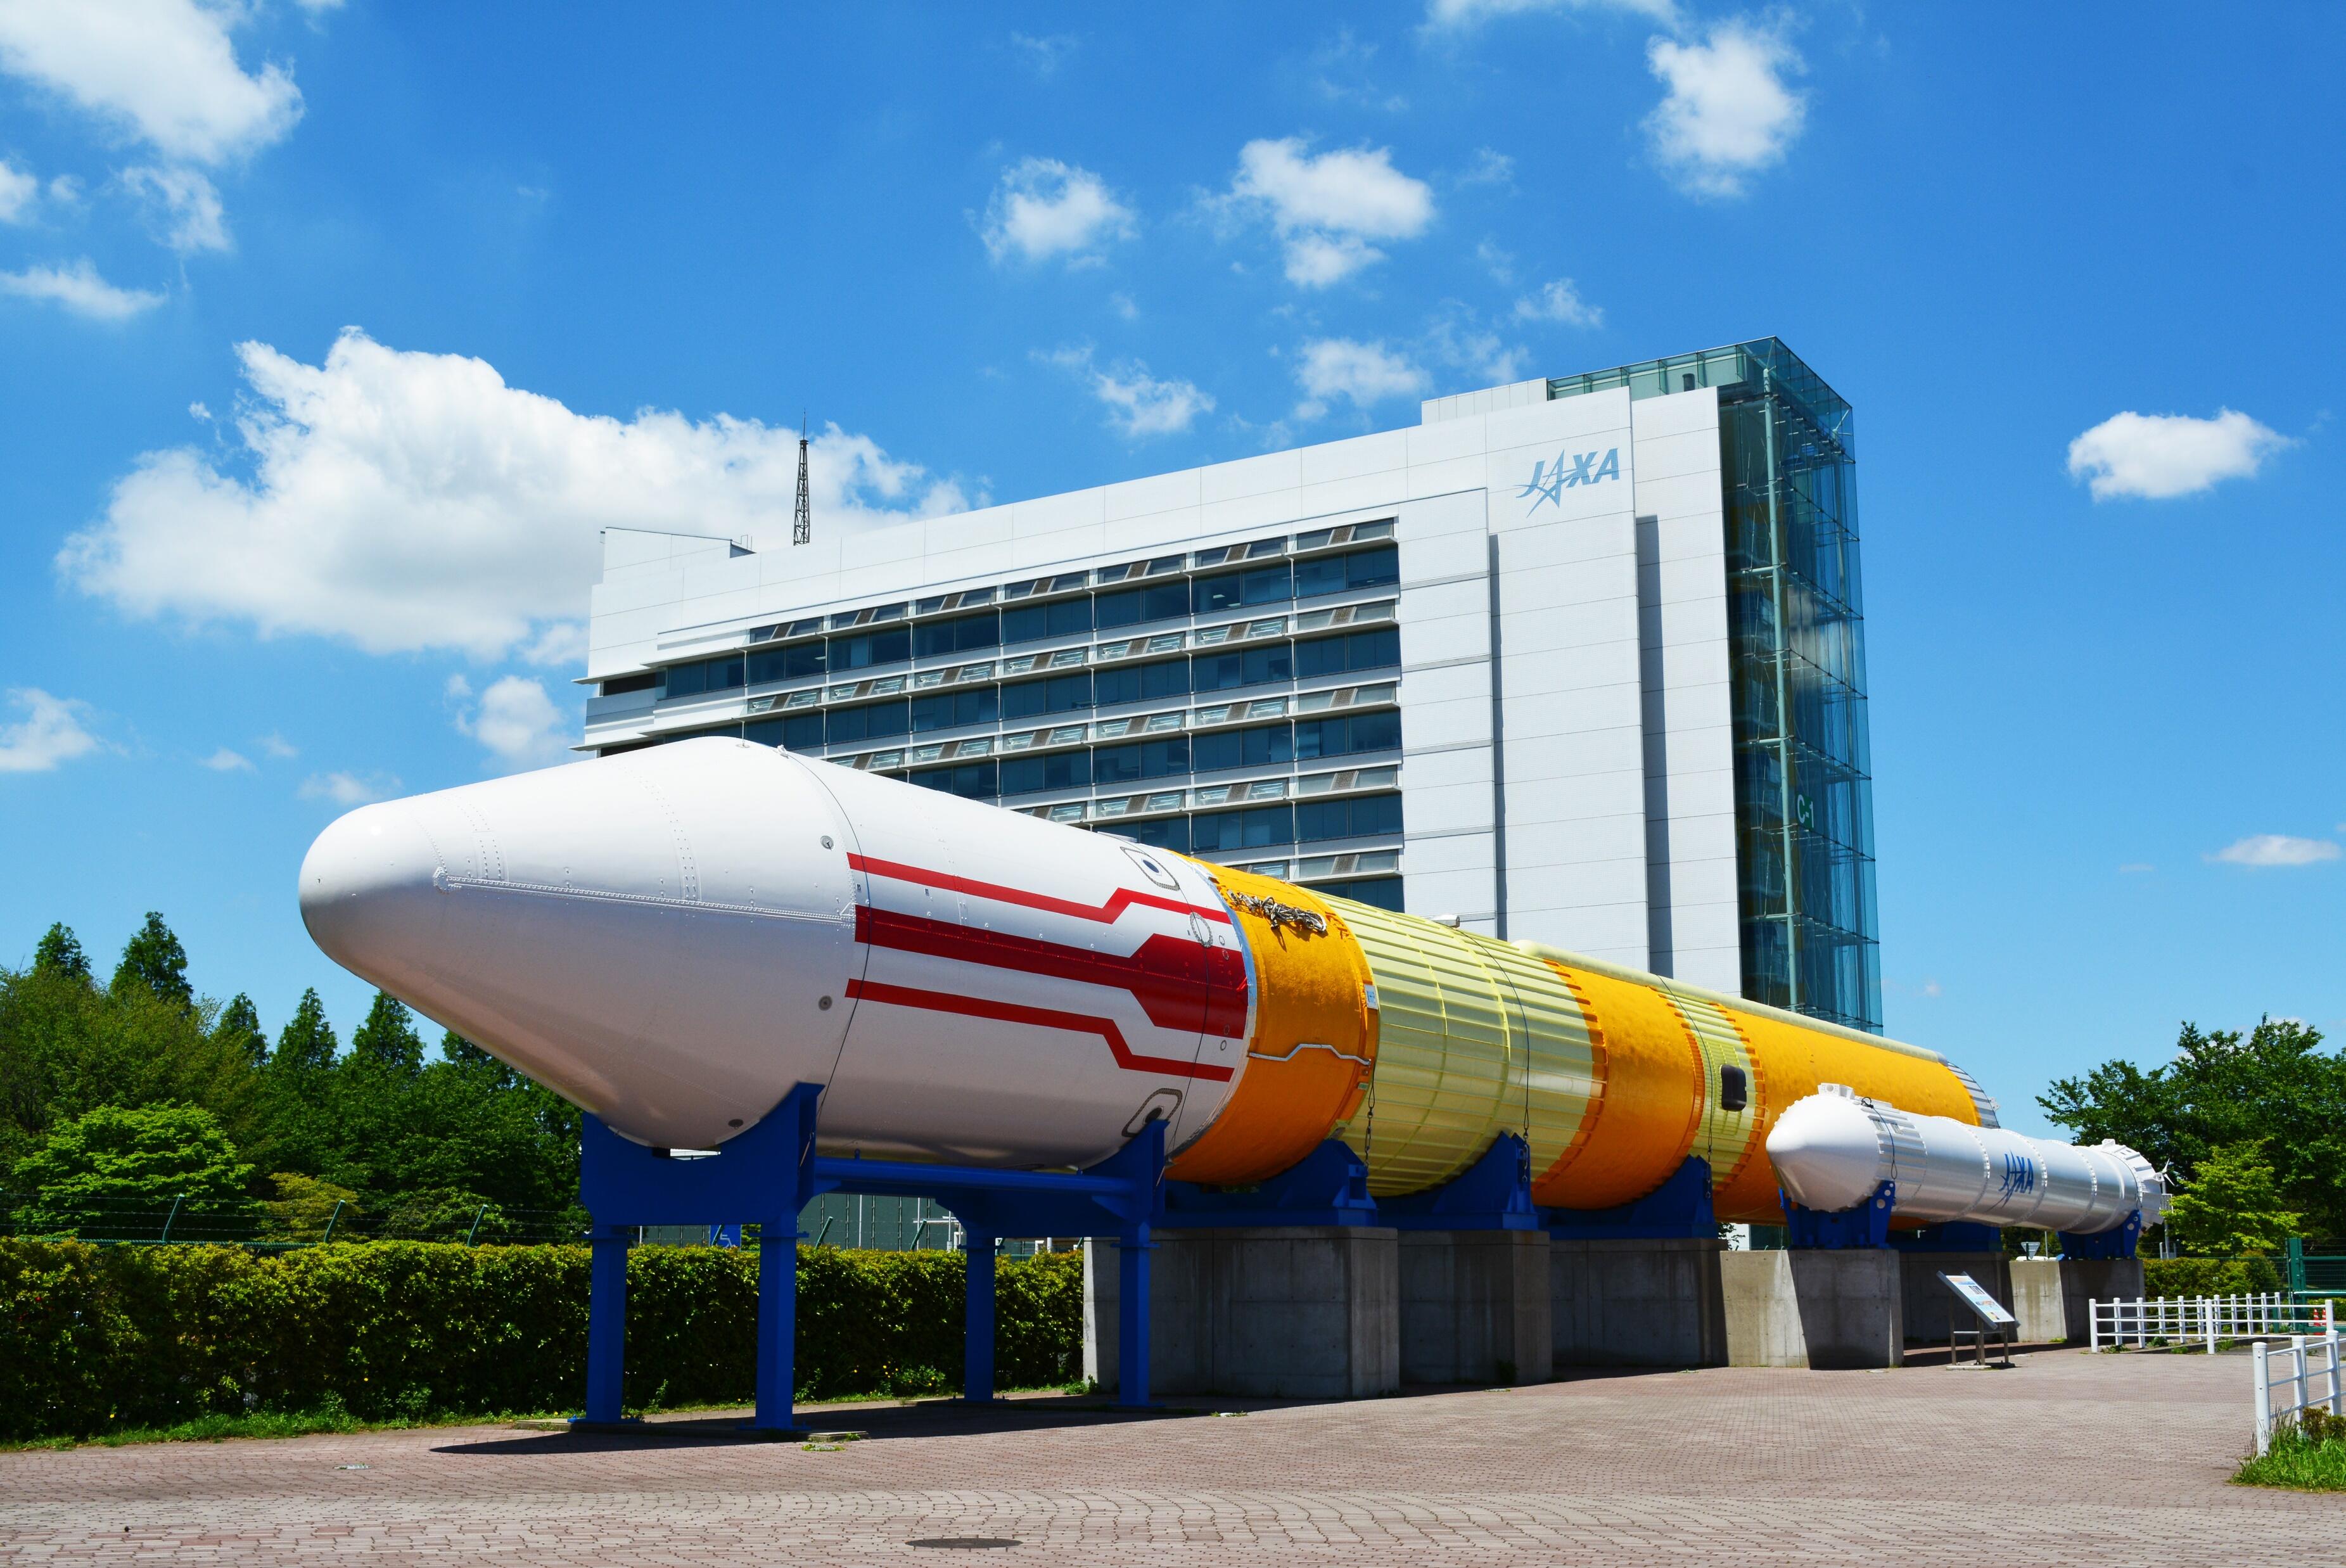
(1724, 1138)
(1474, 1039)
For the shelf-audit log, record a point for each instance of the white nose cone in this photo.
(663, 938)
(1827, 1153)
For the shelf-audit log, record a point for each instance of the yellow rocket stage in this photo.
(1417, 1043)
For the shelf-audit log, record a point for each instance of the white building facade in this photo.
(1574, 660)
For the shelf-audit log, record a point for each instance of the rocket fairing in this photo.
(673, 938)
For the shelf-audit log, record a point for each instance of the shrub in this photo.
(97, 1339)
(2208, 1276)
(2309, 1455)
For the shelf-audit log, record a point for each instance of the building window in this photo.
(951, 709)
(873, 721)
(1161, 833)
(801, 732)
(970, 781)
(1255, 747)
(1242, 667)
(942, 639)
(1058, 770)
(869, 651)
(709, 675)
(1059, 694)
(1379, 649)
(620, 686)
(1341, 737)
(1365, 815)
(1130, 606)
(793, 663)
(1142, 682)
(1374, 568)
(1257, 828)
(1059, 618)
(1140, 759)
(1382, 892)
(1237, 590)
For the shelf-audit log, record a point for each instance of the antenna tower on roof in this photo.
(802, 519)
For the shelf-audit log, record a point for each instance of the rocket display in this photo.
(673, 938)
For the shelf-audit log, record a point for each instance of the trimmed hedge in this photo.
(99, 1338)
(2209, 1276)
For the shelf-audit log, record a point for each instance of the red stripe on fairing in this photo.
(1040, 1018)
(1179, 983)
(1108, 913)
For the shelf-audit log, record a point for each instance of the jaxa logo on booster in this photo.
(1549, 482)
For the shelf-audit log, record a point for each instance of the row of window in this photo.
(1269, 585)
(1222, 833)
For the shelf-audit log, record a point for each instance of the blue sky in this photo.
(331, 333)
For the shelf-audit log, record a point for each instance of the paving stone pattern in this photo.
(2069, 1459)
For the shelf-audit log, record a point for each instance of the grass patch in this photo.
(257, 1424)
(2308, 1456)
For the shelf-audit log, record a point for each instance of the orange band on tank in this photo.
(1789, 1062)
(1641, 1128)
(1315, 1040)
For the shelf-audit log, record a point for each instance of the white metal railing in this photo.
(2178, 1320)
(2286, 1378)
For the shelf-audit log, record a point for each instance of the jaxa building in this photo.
(1576, 660)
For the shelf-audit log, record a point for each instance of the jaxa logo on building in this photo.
(1569, 472)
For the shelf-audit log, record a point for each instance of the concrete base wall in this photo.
(1931, 1309)
(2052, 1296)
(1474, 1307)
(1813, 1309)
(1304, 1313)
(1638, 1303)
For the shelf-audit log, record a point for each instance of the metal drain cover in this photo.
(967, 1542)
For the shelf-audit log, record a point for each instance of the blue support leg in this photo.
(977, 1352)
(777, 1320)
(1132, 1317)
(606, 1323)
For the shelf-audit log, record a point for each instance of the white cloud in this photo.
(18, 191)
(1460, 14)
(2155, 456)
(1728, 113)
(161, 70)
(1044, 55)
(1489, 167)
(1139, 404)
(1328, 207)
(78, 288)
(348, 790)
(52, 731)
(2136, 868)
(406, 501)
(1456, 338)
(1044, 208)
(1361, 373)
(227, 761)
(2276, 850)
(560, 643)
(277, 746)
(1499, 263)
(514, 719)
(1561, 302)
(186, 205)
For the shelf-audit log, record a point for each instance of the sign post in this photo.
(1993, 1320)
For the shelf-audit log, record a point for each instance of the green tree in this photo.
(304, 1207)
(306, 1040)
(2275, 1084)
(126, 1162)
(460, 1052)
(59, 953)
(2233, 1207)
(388, 1039)
(154, 958)
(239, 1029)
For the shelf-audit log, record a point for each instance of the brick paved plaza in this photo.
(2069, 1459)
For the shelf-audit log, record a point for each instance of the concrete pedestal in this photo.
(1931, 1308)
(1474, 1307)
(1310, 1312)
(1813, 1309)
(2051, 1296)
(1638, 1303)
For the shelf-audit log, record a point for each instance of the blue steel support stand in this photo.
(2118, 1242)
(768, 1174)
(1866, 1224)
(1678, 1209)
(977, 1317)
